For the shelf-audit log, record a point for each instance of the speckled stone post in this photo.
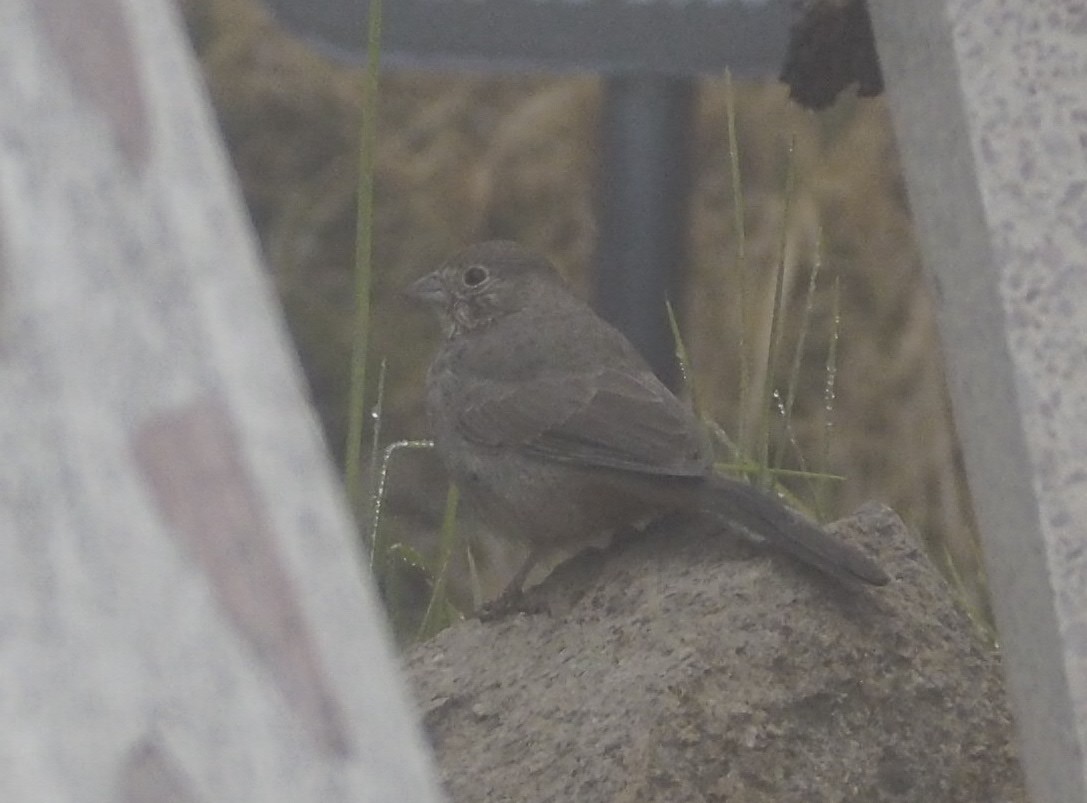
(990, 106)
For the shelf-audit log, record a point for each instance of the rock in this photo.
(687, 665)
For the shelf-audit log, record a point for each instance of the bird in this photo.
(556, 430)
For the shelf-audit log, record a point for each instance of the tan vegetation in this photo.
(468, 157)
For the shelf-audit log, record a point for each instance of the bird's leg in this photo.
(515, 586)
(511, 594)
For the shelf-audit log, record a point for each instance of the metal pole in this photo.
(644, 185)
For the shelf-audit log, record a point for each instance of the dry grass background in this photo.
(467, 157)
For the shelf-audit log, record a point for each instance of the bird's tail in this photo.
(738, 502)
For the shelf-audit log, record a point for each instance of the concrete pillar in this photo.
(989, 99)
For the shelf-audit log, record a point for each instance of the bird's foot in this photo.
(511, 601)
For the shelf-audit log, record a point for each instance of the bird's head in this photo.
(484, 283)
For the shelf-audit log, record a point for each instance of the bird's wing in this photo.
(608, 418)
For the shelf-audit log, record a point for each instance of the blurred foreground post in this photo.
(990, 107)
(182, 611)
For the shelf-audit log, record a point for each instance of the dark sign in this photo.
(670, 37)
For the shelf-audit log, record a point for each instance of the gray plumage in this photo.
(556, 429)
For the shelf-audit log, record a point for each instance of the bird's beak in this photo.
(430, 290)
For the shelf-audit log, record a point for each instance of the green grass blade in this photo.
(376, 546)
(741, 262)
(798, 355)
(681, 356)
(375, 448)
(831, 372)
(436, 616)
(776, 314)
(363, 267)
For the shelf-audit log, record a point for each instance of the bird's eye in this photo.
(475, 275)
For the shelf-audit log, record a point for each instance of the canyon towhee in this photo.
(556, 430)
